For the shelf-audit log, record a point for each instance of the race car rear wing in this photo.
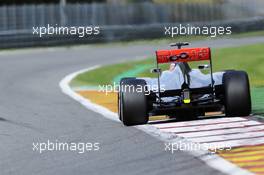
(183, 55)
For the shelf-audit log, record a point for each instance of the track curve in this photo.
(33, 109)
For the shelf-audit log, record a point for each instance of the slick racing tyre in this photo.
(133, 103)
(119, 96)
(236, 93)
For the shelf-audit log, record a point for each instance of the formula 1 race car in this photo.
(182, 92)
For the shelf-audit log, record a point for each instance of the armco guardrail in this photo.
(121, 22)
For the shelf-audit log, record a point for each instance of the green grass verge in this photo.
(257, 96)
(105, 75)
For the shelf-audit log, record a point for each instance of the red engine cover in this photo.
(183, 55)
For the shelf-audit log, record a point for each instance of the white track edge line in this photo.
(212, 160)
(66, 89)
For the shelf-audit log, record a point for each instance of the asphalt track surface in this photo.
(33, 109)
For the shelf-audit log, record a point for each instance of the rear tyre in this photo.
(119, 96)
(237, 93)
(133, 103)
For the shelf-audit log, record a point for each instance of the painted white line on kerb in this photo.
(200, 122)
(223, 138)
(213, 160)
(210, 127)
(222, 131)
